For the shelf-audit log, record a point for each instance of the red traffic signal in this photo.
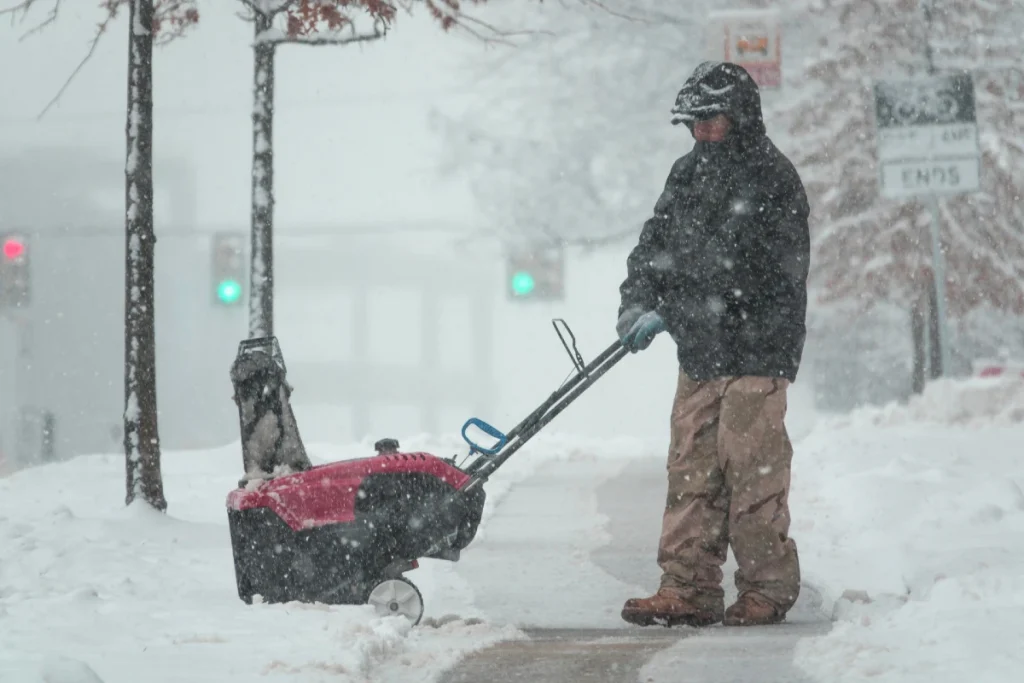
(15, 278)
(13, 248)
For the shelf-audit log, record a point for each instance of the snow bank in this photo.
(974, 402)
(46, 670)
(916, 513)
(93, 591)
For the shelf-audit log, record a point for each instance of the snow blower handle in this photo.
(489, 430)
(547, 411)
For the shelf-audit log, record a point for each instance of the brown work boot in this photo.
(753, 609)
(671, 607)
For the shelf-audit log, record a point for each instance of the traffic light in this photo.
(14, 271)
(228, 268)
(535, 272)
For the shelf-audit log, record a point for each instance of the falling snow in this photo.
(566, 140)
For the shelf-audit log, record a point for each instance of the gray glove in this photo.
(638, 329)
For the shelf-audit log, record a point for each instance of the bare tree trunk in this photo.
(261, 291)
(141, 438)
(917, 332)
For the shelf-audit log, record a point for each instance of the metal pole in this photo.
(919, 344)
(938, 261)
(48, 445)
(22, 358)
(939, 272)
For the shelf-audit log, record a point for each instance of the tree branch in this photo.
(100, 30)
(171, 19)
(326, 40)
(23, 8)
(270, 8)
(341, 37)
(248, 13)
(621, 15)
(447, 13)
(450, 16)
(464, 21)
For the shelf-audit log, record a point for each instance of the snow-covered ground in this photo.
(132, 595)
(917, 509)
(918, 512)
(90, 589)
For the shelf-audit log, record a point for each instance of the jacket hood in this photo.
(721, 88)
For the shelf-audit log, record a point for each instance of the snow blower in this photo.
(346, 532)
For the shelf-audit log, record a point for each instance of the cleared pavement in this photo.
(565, 549)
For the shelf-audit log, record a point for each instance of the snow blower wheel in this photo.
(397, 597)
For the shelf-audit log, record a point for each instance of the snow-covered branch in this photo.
(270, 8)
(344, 36)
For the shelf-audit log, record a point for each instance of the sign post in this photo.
(927, 148)
(750, 38)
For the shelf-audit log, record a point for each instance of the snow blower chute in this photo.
(346, 532)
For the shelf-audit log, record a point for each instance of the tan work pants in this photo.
(728, 484)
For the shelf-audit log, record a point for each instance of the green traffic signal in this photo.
(522, 283)
(229, 291)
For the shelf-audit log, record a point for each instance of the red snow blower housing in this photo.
(346, 532)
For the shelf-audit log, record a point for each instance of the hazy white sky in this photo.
(352, 134)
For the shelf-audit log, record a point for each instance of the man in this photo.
(722, 266)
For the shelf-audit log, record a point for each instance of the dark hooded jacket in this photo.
(724, 259)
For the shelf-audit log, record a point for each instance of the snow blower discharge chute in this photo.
(346, 532)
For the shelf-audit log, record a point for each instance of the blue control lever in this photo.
(487, 429)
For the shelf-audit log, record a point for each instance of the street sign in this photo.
(750, 38)
(928, 147)
(913, 178)
(927, 137)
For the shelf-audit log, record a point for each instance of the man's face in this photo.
(712, 130)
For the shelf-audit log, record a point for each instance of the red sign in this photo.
(752, 39)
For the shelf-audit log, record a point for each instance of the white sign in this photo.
(927, 137)
(902, 179)
(941, 140)
(750, 38)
